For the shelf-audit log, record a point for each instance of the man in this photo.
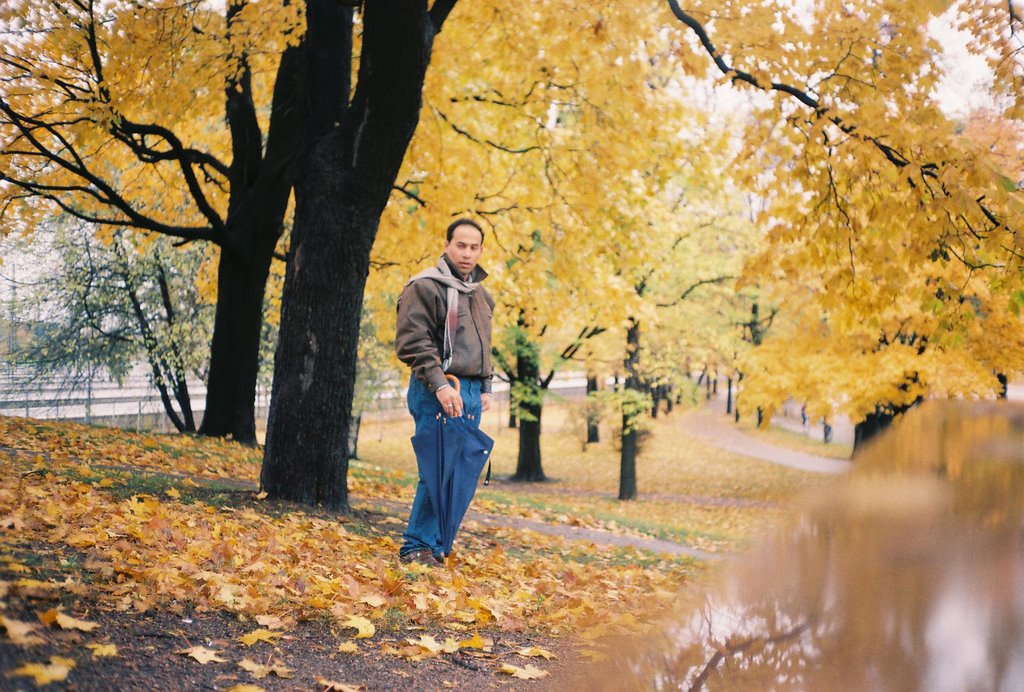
(444, 326)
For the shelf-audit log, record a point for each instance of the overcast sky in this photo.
(965, 86)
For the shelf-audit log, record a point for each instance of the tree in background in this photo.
(375, 376)
(171, 118)
(861, 173)
(105, 306)
(539, 143)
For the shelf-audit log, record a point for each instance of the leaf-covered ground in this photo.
(138, 561)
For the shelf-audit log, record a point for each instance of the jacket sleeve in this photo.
(415, 333)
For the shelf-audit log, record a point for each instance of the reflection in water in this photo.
(907, 574)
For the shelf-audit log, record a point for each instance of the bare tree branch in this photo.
(690, 289)
(439, 13)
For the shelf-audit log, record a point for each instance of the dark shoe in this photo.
(421, 556)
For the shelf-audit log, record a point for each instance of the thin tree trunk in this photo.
(627, 473)
(627, 458)
(528, 465)
(157, 364)
(593, 429)
(180, 372)
(353, 436)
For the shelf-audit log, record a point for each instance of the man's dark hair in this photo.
(463, 222)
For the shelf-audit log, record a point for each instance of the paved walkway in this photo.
(715, 429)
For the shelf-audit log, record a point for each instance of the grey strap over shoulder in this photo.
(451, 326)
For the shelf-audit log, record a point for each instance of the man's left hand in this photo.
(485, 401)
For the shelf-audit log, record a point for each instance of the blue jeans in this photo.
(424, 531)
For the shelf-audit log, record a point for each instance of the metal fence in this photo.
(133, 403)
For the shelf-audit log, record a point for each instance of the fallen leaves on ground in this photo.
(364, 628)
(536, 651)
(44, 673)
(65, 621)
(102, 650)
(260, 670)
(332, 686)
(148, 540)
(260, 635)
(525, 673)
(203, 655)
(20, 633)
(297, 565)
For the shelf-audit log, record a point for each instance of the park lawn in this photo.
(97, 521)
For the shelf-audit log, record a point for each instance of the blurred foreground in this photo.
(906, 574)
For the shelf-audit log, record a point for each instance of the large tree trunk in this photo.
(627, 459)
(234, 351)
(352, 155)
(261, 185)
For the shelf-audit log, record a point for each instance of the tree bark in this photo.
(528, 466)
(261, 184)
(875, 423)
(872, 426)
(593, 429)
(353, 437)
(234, 349)
(627, 471)
(627, 458)
(351, 157)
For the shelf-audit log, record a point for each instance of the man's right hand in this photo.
(450, 400)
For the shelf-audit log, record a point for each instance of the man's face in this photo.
(465, 248)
